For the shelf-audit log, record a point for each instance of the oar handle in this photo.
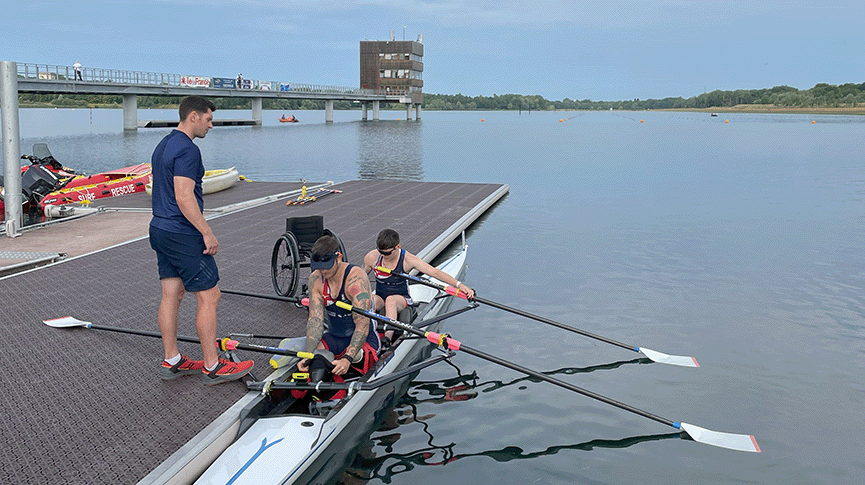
(450, 290)
(229, 344)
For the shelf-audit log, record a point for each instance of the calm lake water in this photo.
(738, 243)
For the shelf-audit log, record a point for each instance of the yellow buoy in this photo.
(641, 121)
(726, 121)
(561, 121)
(482, 120)
(813, 122)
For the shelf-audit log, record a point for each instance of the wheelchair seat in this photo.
(292, 250)
(306, 230)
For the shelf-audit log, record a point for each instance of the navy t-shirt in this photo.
(175, 156)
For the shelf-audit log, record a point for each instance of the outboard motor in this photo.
(37, 182)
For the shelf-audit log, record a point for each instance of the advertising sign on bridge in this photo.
(223, 83)
(195, 81)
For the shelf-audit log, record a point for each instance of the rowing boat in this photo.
(281, 441)
(213, 180)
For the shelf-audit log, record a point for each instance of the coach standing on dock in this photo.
(185, 246)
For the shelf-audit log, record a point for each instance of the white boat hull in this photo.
(213, 181)
(313, 449)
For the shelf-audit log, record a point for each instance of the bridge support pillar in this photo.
(375, 110)
(256, 111)
(11, 139)
(365, 106)
(417, 112)
(408, 111)
(328, 111)
(130, 112)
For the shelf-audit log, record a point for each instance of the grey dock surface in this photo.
(87, 406)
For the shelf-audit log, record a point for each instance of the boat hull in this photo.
(213, 181)
(129, 180)
(300, 448)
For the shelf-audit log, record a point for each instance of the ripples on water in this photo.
(740, 243)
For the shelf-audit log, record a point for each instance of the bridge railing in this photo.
(47, 72)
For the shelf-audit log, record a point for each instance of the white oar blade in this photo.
(731, 441)
(64, 322)
(662, 358)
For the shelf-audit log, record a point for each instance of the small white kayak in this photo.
(213, 180)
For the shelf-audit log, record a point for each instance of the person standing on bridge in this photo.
(77, 68)
(185, 246)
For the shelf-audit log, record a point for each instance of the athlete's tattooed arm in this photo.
(315, 323)
(358, 291)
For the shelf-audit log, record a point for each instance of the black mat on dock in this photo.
(87, 406)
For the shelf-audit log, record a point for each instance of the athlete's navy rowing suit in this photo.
(387, 284)
(341, 326)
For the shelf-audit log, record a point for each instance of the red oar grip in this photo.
(454, 291)
(226, 344)
(442, 340)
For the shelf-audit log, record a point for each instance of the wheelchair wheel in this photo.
(284, 265)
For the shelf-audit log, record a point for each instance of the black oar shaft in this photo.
(259, 295)
(506, 308)
(563, 384)
(552, 322)
(517, 367)
(236, 345)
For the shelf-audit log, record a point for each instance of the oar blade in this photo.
(731, 441)
(64, 322)
(662, 358)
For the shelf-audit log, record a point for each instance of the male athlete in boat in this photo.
(391, 291)
(351, 337)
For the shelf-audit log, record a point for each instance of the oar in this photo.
(223, 344)
(655, 356)
(302, 301)
(740, 442)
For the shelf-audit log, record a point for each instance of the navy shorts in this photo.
(182, 256)
(337, 345)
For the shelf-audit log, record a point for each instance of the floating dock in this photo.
(173, 124)
(87, 406)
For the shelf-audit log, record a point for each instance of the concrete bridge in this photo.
(52, 79)
(18, 78)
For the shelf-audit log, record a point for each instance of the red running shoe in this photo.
(185, 367)
(225, 371)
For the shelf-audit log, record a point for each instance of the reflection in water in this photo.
(390, 150)
(463, 387)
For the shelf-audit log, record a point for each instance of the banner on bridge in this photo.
(195, 81)
(223, 83)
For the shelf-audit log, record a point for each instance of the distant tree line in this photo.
(820, 96)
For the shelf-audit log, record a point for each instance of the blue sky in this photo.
(598, 50)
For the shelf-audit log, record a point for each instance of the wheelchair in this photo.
(292, 250)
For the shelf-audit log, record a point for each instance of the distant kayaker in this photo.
(391, 291)
(185, 246)
(351, 337)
